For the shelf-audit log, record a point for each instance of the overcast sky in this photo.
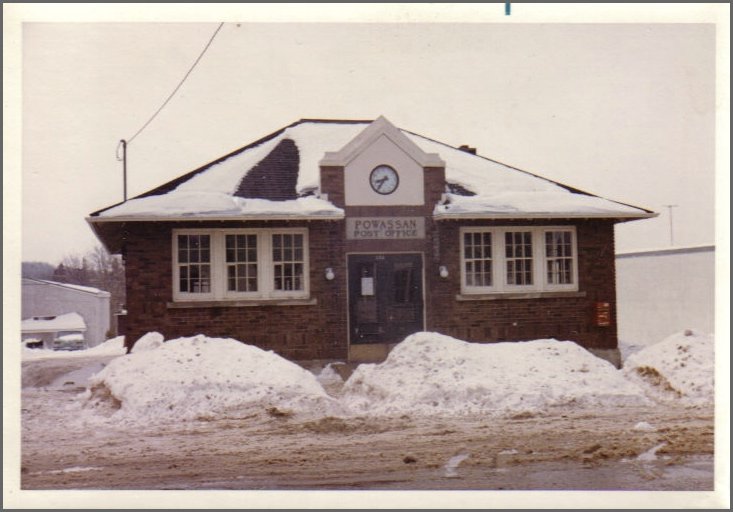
(625, 111)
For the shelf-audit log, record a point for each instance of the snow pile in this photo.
(111, 347)
(329, 376)
(431, 374)
(202, 378)
(149, 341)
(330, 379)
(627, 347)
(679, 367)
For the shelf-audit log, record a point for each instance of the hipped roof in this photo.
(277, 177)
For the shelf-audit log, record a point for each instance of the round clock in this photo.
(384, 179)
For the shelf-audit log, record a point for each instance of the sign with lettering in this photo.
(385, 228)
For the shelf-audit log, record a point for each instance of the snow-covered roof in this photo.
(67, 322)
(76, 287)
(278, 177)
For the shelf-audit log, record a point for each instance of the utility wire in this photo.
(211, 40)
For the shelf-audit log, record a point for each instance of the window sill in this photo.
(240, 303)
(520, 295)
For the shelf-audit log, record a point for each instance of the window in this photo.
(518, 259)
(477, 258)
(241, 254)
(559, 257)
(518, 246)
(194, 263)
(224, 264)
(287, 255)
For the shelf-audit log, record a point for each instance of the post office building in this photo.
(334, 240)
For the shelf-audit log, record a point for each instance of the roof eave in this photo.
(529, 215)
(197, 218)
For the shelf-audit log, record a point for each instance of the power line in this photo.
(211, 40)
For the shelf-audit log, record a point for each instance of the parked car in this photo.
(33, 343)
(69, 340)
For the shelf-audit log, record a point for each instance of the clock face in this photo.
(384, 179)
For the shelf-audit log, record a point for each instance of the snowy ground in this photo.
(202, 413)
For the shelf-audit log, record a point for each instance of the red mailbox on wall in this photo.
(603, 314)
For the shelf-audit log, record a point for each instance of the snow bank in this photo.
(681, 367)
(201, 378)
(149, 341)
(111, 347)
(431, 374)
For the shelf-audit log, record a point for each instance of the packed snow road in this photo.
(75, 439)
(567, 451)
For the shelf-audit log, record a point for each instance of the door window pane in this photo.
(403, 283)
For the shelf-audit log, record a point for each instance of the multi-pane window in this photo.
(477, 260)
(194, 263)
(287, 257)
(511, 259)
(518, 248)
(241, 261)
(240, 264)
(559, 257)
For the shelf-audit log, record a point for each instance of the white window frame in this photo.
(574, 247)
(265, 266)
(176, 267)
(498, 259)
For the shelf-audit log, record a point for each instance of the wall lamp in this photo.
(329, 274)
(443, 271)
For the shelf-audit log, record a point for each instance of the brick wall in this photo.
(296, 332)
(320, 331)
(563, 318)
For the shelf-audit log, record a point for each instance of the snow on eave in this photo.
(183, 218)
(478, 172)
(172, 184)
(468, 187)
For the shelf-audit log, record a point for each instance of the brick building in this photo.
(336, 239)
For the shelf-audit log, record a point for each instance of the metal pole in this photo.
(124, 169)
(671, 222)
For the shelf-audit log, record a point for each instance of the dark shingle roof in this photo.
(275, 177)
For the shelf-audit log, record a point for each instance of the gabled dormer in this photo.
(381, 166)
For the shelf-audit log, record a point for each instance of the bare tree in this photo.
(97, 268)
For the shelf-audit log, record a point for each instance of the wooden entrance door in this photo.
(385, 297)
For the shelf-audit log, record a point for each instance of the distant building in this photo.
(664, 291)
(54, 332)
(46, 299)
(336, 239)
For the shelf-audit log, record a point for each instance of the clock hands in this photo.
(381, 181)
